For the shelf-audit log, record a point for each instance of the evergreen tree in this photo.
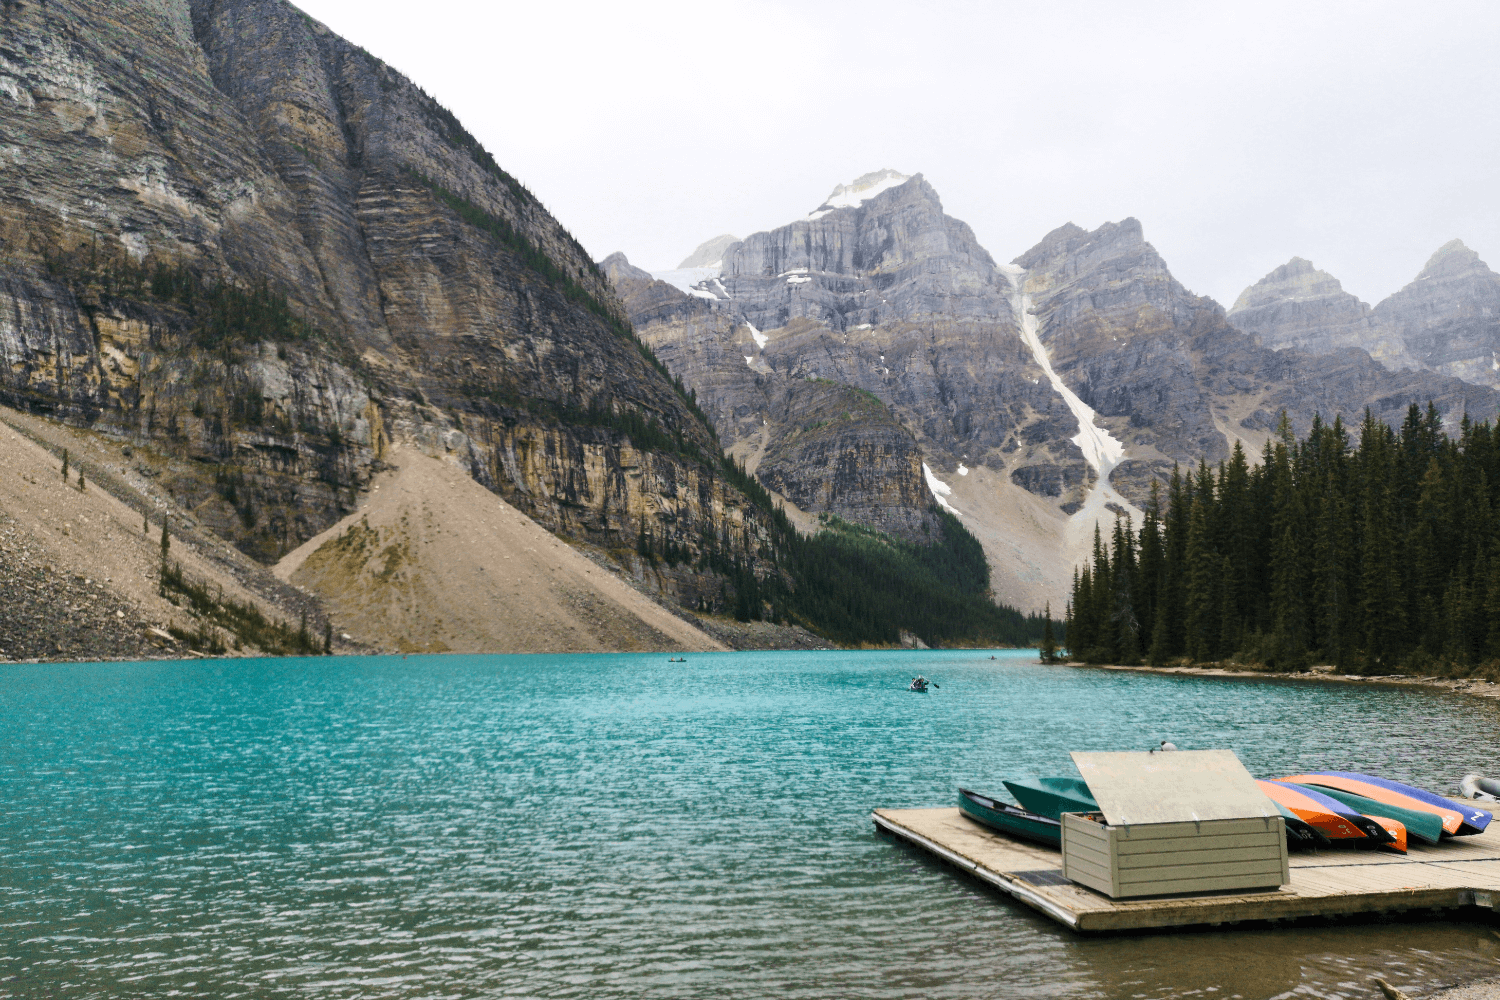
(1049, 640)
(1150, 568)
(1126, 628)
(1492, 605)
(1382, 555)
(1202, 604)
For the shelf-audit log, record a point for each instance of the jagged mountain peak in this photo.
(1068, 252)
(1110, 239)
(617, 267)
(709, 253)
(861, 190)
(1452, 259)
(1061, 240)
(1298, 280)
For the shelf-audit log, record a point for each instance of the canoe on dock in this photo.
(1009, 819)
(1051, 797)
(1299, 832)
(1332, 818)
(1424, 826)
(1459, 877)
(1459, 819)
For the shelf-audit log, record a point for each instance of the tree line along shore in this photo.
(1379, 555)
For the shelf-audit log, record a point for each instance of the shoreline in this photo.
(1322, 675)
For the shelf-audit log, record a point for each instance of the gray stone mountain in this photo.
(235, 238)
(1446, 321)
(887, 295)
(1299, 306)
(879, 291)
(824, 447)
(1174, 380)
(709, 254)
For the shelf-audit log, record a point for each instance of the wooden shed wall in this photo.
(1174, 858)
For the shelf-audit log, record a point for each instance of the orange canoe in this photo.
(1396, 829)
(1334, 820)
(1452, 818)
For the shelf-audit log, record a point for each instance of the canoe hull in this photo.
(1459, 819)
(1328, 816)
(1424, 826)
(1009, 819)
(1051, 797)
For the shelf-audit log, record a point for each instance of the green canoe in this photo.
(1009, 819)
(1424, 826)
(1051, 797)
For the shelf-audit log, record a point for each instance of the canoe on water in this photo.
(1009, 819)
(1051, 797)
(1424, 826)
(1331, 818)
(1459, 819)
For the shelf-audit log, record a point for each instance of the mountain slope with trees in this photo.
(1377, 551)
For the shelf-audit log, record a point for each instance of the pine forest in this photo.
(1378, 553)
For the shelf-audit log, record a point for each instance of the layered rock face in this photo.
(1448, 319)
(830, 447)
(1172, 377)
(1299, 306)
(823, 446)
(892, 296)
(877, 290)
(237, 144)
(1445, 321)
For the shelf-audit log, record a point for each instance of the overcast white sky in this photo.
(1359, 135)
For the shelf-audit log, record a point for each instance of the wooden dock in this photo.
(1334, 882)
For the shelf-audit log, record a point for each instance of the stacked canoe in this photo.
(1319, 808)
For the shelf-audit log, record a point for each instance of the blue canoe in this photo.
(1474, 818)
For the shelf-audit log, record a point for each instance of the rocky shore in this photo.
(47, 614)
(1320, 674)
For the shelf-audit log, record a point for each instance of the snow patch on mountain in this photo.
(685, 278)
(1100, 448)
(940, 490)
(859, 191)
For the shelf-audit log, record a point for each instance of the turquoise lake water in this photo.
(617, 826)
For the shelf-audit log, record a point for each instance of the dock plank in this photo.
(1329, 882)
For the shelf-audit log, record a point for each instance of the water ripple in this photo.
(611, 826)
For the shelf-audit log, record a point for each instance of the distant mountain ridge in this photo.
(1446, 320)
(709, 254)
(880, 291)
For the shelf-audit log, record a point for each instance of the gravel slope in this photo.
(434, 562)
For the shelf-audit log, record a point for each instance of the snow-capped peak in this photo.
(860, 190)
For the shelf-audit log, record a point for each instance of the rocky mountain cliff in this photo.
(1173, 379)
(233, 237)
(1447, 320)
(1299, 306)
(823, 446)
(878, 290)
